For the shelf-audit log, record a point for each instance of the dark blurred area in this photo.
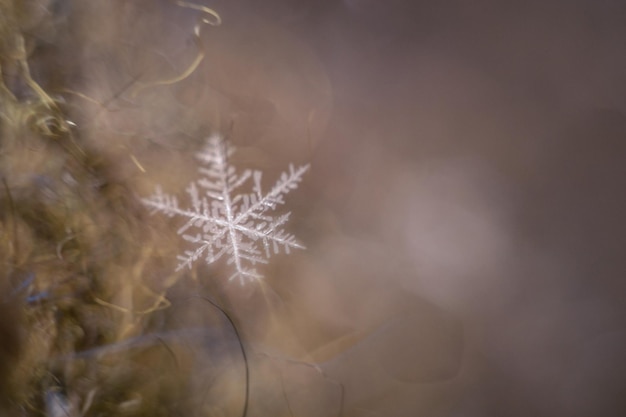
(469, 195)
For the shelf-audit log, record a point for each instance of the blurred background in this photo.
(463, 215)
(467, 198)
(466, 219)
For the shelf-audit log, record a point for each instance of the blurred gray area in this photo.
(468, 213)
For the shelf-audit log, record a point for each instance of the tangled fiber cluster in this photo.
(85, 326)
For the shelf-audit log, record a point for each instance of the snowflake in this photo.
(222, 223)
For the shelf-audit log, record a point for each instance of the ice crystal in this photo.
(223, 222)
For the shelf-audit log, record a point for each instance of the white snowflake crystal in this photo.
(223, 223)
